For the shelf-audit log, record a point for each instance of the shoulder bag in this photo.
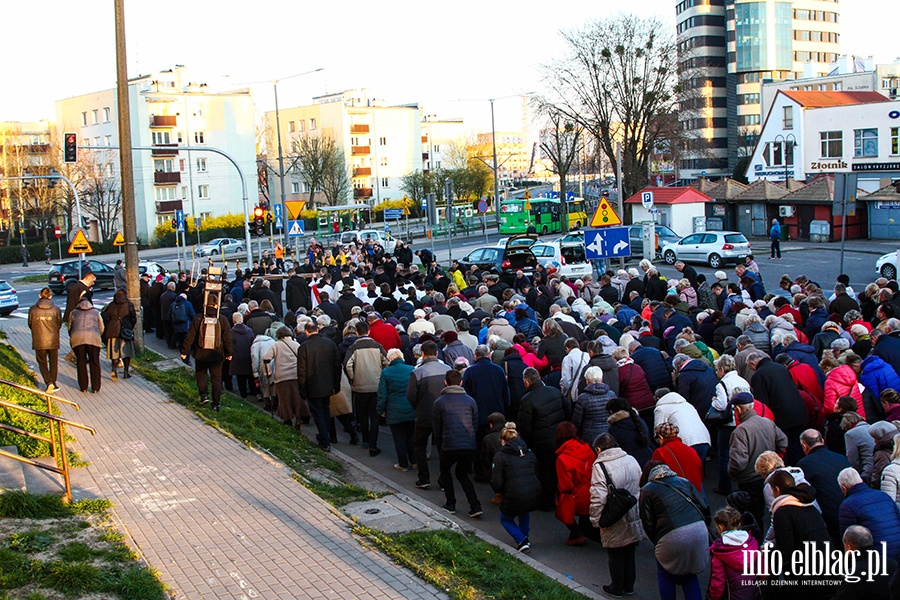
(618, 502)
(718, 418)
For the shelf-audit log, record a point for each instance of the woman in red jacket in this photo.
(840, 380)
(574, 460)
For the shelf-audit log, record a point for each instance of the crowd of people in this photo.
(604, 400)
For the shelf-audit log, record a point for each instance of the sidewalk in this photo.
(217, 519)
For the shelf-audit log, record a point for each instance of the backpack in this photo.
(179, 312)
(209, 339)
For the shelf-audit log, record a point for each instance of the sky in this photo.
(448, 57)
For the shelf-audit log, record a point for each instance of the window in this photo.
(108, 140)
(744, 120)
(865, 143)
(292, 126)
(201, 165)
(354, 141)
(198, 112)
(895, 140)
(437, 147)
(312, 124)
(831, 144)
(180, 137)
(384, 161)
(109, 170)
(160, 137)
(198, 137)
(182, 165)
(96, 113)
(787, 113)
(165, 165)
(106, 112)
(384, 182)
(87, 141)
(302, 124)
(382, 141)
(203, 191)
(97, 141)
(84, 119)
(205, 215)
(165, 193)
(295, 187)
(184, 192)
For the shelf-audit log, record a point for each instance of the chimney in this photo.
(869, 63)
(809, 69)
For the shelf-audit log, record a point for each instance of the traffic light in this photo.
(70, 148)
(174, 224)
(259, 220)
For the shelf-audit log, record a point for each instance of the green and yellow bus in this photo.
(517, 214)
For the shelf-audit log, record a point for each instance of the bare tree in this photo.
(313, 153)
(337, 184)
(617, 77)
(101, 196)
(561, 142)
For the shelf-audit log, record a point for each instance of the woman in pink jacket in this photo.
(840, 380)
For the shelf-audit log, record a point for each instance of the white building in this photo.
(168, 111)
(810, 132)
(438, 136)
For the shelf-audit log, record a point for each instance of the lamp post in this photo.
(785, 140)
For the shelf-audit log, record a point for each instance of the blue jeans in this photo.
(690, 584)
(519, 531)
(724, 444)
(702, 450)
(404, 443)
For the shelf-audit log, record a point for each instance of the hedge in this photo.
(13, 254)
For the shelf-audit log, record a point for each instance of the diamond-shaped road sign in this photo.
(609, 242)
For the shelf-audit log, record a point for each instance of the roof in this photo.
(671, 195)
(821, 99)
(819, 190)
(761, 189)
(887, 193)
(725, 189)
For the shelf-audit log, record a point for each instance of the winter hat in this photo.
(666, 430)
(607, 343)
(742, 398)
(449, 336)
(720, 275)
(419, 313)
(859, 330)
(840, 344)
(881, 429)
(660, 471)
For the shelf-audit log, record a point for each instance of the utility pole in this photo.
(621, 191)
(129, 219)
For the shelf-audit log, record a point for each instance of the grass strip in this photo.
(466, 567)
(39, 278)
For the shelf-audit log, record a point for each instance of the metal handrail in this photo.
(57, 439)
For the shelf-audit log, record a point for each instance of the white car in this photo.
(714, 248)
(569, 256)
(385, 240)
(886, 265)
(220, 246)
(153, 268)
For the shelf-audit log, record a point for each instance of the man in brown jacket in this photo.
(45, 321)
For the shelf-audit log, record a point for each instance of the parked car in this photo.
(385, 240)
(568, 255)
(153, 268)
(515, 256)
(9, 299)
(526, 242)
(714, 248)
(664, 235)
(62, 273)
(220, 246)
(886, 265)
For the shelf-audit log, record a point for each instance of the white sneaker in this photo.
(52, 389)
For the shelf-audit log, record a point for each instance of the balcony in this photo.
(424, 139)
(163, 120)
(362, 192)
(166, 178)
(359, 129)
(168, 206)
(362, 171)
(359, 150)
(165, 150)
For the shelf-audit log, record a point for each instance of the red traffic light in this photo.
(70, 147)
(258, 212)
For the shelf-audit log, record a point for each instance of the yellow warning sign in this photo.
(80, 244)
(295, 207)
(605, 215)
(527, 195)
(119, 239)
(405, 210)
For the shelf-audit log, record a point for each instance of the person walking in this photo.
(514, 478)
(365, 360)
(182, 315)
(120, 280)
(85, 331)
(398, 412)
(616, 469)
(455, 421)
(47, 254)
(75, 291)
(45, 321)
(24, 252)
(775, 237)
(426, 384)
(210, 350)
(118, 332)
(281, 361)
(319, 378)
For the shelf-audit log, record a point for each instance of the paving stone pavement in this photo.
(217, 519)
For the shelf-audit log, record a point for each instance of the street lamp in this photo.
(785, 140)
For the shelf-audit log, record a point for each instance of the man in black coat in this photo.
(276, 285)
(297, 292)
(345, 302)
(157, 289)
(329, 308)
(821, 467)
(696, 382)
(688, 272)
(208, 359)
(773, 385)
(541, 410)
(652, 362)
(319, 378)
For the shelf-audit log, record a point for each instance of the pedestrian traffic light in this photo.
(70, 148)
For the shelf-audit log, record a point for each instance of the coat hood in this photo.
(45, 303)
(577, 449)
(802, 492)
(515, 447)
(672, 398)
(611, 454)
(597, 389)
(804, 348)
(844, 375)
(84, 304)
(757, 327)
(730, 548)
(781, 323)
(618, 416)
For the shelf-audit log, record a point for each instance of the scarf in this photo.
(625, 361)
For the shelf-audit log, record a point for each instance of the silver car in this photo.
(220, 246)
(714, 248)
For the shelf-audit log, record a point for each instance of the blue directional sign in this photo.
(554, 195)
(608, 242)
(295, 228)
(179, 221)
(279, 223)
(393, 214)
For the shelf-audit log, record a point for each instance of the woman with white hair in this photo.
(590, 415)
(399, 414)
(635, 284)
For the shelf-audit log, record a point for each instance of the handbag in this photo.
(710, 536)
(126, 334)
(618, 502)
(718, 418)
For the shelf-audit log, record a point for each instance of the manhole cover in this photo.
(372, 511)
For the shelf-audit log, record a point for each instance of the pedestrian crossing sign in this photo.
(605, 215)
(80, 244)
(295, 228)
(119, 239)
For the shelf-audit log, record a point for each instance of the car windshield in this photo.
(665, 231)
(735, 238)
(4, 286)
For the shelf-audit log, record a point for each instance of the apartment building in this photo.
(25, 148)
(168, 113)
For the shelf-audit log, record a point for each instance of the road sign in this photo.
(393, 213)
(609, 242)
(294, 208)
(482, 206)
(276, 210)
(119, 240)
(179, 221)
(406, 210)
(295, 228)
(80, 244)
(468, 213)
(647, 200)
(605, 215)
(57, 232)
